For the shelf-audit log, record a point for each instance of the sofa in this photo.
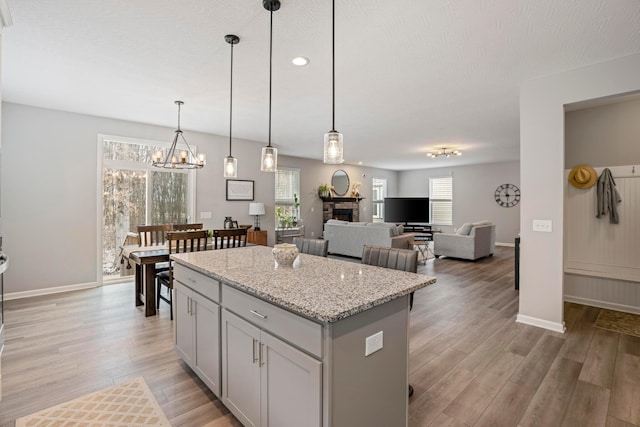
(471, 241)
(348, 238)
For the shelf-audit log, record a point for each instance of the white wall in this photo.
(542, 177)
(49, 186)
(473, 194)
(314, 173)
(50, 180)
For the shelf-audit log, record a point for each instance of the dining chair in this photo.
(187, 227)
(395, 258)
(153, 235)
(179, 241)
(229, 238)
(318, 247)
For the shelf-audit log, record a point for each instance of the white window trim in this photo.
(433, 199)
(101, 163)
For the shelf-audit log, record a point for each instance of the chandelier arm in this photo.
(193, 156)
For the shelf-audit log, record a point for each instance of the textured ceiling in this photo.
(411, 75)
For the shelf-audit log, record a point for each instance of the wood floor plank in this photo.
(472, 402)
(614, 422)
(550, 402)
(588, 406)
(625, 394)
(600, 360)
(507, 408)
(426, 408)
(60, 347)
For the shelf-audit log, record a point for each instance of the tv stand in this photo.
(417, 228)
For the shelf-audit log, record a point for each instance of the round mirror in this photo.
(340, 182)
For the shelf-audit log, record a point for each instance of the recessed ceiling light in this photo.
(359, 163)
(300, 61)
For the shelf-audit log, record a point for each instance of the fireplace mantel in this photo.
(342, 199)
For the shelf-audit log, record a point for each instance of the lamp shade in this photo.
(256, 209)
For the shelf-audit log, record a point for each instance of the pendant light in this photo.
(269, 158)
(333, 149)
(183, 159)
(230, 162)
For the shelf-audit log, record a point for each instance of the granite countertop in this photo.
(322, 289)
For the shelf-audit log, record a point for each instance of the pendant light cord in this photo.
(231, 100)
(333, 66)
(270, 68)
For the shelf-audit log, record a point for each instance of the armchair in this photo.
(479, 243)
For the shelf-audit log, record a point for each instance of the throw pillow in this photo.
(464, 229)
(400, 229)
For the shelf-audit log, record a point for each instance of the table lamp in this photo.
(256, 209)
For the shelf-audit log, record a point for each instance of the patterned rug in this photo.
(617, 321)
(127, 404)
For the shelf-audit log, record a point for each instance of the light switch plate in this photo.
(373, 343)
(542, 225)
(205, 215)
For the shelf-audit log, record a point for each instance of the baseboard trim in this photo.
(49, 291)
(541, 323)
(603, 304)
(509, 245)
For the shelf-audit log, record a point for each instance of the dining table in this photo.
(145, 276)
(145, 259)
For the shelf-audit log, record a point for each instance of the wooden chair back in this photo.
(317, 247)
(187, 227)
(187, 241)
(153, 235)
(229, 238)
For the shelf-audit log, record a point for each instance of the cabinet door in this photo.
(241, 369)
(184, 334)
(291, 384)
(207, 342)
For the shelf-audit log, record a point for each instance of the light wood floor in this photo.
(470, 363)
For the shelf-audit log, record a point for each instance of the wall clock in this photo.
(507, 195)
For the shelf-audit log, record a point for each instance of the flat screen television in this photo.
(414, 210)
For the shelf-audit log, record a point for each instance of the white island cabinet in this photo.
(324, 343)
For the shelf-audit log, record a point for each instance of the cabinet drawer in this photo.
(200, 283)
(297, 330)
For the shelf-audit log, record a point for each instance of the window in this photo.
(378, 193)
(134, 193)
(287, 202)
(441, 200)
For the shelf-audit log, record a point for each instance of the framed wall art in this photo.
(239, 189)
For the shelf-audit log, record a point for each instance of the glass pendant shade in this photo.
(230, 167)
(333, 150)
(269, 159)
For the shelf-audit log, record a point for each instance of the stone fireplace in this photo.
(344, 208)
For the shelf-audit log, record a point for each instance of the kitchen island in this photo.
(324, 343)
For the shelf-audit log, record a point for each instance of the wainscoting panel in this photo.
(602, 260)
(601, 292)
(593, 245)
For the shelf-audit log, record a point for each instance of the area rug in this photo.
(617, 321)
(127, 404)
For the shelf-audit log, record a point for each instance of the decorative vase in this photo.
(285, 254)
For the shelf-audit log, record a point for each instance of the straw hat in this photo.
(583, 176)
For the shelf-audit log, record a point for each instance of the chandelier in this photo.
(176, 158)
(445, 153)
